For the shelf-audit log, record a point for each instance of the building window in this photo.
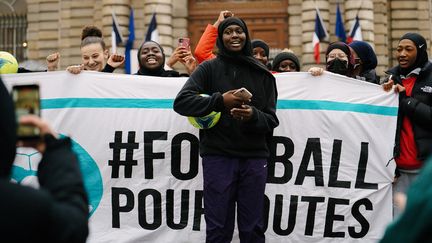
(13, 35)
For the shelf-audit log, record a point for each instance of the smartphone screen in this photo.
(27, 101)
(183, 41)
(244, 93)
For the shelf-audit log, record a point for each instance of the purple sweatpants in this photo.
(228, 181)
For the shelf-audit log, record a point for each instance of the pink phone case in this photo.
(183, 41)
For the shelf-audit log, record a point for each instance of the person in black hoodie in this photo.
(58, 211)
(234, 152)
(412, 79)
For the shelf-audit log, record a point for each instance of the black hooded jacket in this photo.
(58, 212)
(418, 107)
(230, 137)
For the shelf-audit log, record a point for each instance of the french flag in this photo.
(116, 36)
(152, 32)
(129, 45)
(355, 33)
(320, 34)
(339, 28)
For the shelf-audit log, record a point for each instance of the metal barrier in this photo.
(13, 35)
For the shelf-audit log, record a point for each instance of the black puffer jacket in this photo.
(418, 108)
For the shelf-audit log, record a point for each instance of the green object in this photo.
(207, 121)
(415, 223)
(8, 63)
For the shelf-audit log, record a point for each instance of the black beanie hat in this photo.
(366, 54)
(262, 44)
(285, 56)
(341, 46)
(420, 43)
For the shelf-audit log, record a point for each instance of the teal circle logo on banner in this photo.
(90, 171)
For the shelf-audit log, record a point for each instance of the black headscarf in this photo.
(262, 44)
(366, 54)
(285, 56)
(8, 136)
(160, 71)
(245, 56)
(422, 56)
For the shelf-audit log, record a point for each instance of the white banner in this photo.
(329, 176)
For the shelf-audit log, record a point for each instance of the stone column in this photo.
(140, 21)
(43, 34)
(74, 16)
(180, 27)
(308, 27)
(364, 9)
(295, 28)
(381, 43)
(121, 8)
(408, 16)
(163, 9)
(66, 42)
(424, 20)
(179, 20)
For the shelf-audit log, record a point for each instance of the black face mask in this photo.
(338, 66)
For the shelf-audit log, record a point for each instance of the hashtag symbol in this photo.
(117, 146)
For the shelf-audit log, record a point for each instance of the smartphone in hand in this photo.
(27, 102)
(243, 93)
(184, 42)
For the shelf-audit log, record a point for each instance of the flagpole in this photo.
(113, 37)
(130, 43)
(116, 35)
(320, 34)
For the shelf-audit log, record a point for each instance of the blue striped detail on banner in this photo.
(61, 103)
(336, 106)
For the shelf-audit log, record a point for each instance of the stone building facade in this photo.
(55, 25)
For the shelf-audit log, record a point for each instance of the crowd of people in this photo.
(235, 151)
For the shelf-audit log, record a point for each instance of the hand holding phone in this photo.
(184, 42)
(44, 128)
(243, 93)
(27, 102)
